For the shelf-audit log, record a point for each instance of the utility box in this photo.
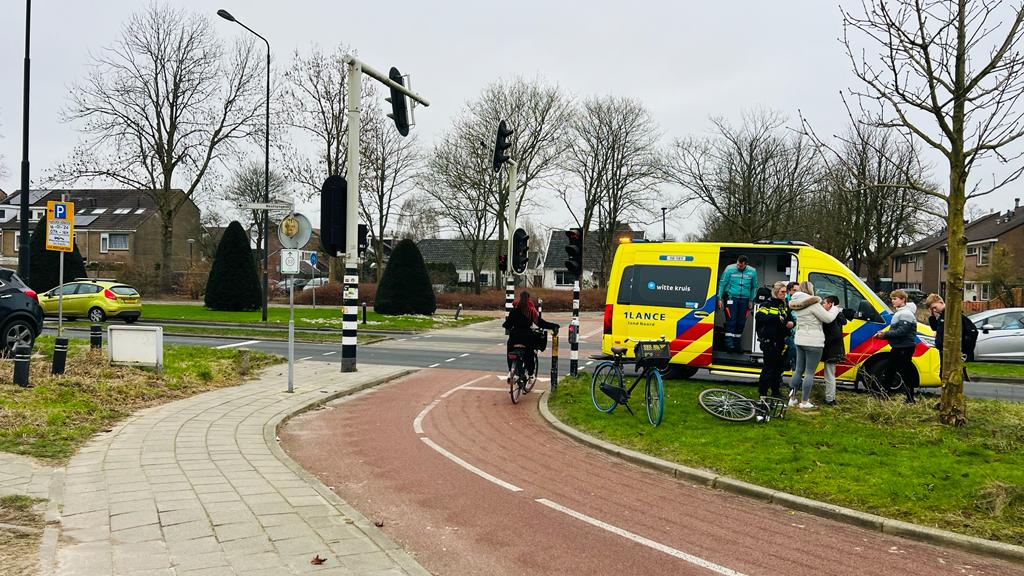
(136, 346)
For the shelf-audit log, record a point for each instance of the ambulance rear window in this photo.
(667, 286)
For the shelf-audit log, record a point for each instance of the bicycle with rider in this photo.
(519, 323)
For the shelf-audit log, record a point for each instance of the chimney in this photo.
(1016, 204)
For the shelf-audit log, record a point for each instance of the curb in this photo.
(393, 550)
(838, 513)
(975, 379)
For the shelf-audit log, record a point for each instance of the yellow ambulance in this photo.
(669, 289)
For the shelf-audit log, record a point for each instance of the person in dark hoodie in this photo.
(937, 320)
(773, 326)
(902, 336)
(835, 348)
(519, 323)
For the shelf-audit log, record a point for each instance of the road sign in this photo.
(60, 226)
(263, 206)
(290, 260)
(294, 231)
(312, 259)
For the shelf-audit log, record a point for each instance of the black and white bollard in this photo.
(350, 318)
(22, 359)
(96, 337)
(574, 331)
(458, 310)
(510, 295)
(60, 355)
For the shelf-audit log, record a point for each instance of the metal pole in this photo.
(266, 197)
(350, 313)
(60, 296)
(510, 285)
(23, 254)
(663, 235)
(291, 333)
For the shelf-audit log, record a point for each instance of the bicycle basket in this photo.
(652, 353)
(540, 340)
(774, 407)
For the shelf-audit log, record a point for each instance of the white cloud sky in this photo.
(685, 60)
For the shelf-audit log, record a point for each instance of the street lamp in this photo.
(266, 167)
(23, 212)
(663, 235)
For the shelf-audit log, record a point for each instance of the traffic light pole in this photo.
(350, 312)
(510, 284)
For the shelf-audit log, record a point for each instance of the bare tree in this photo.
(160, 107)
(948, 74)
(755, 180)
(390, 165)
(461, 203)
(246, 187)
(314, 110)
(417, 218)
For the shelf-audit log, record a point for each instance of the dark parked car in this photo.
(21, 317)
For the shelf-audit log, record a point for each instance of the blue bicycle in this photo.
(608, 390)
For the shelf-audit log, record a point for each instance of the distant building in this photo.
(556, 275)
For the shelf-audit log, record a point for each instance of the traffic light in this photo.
(502, 143)
(399, 105)
(362, 242)
(333, 195)
(502, 263)
(574, 250)
(520, 251)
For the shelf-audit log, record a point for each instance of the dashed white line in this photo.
(589, 362)
(433, 366)
(450, 359)
(696, 560)
(306, 358)
(463, 355)
(401, 340)
(235, 344)
(469, 466)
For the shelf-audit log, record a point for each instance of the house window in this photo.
(898, 264)
(972, 250)
(104, 243)
(918, 263)
(983, 252)
(118, 242)
(983, 291)
(36, 215)
(945, 259)
(485, 279)
(17, 241)
(122, 211)
(563, 278)
(3, 213)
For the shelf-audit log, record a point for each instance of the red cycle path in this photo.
(456, 522)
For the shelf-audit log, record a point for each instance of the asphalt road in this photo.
(481, 347)
(473, 485)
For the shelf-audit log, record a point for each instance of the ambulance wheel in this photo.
(678, 372)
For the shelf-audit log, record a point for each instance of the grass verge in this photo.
(997, 369)
(19, 548)
(58, 414)
(886, 458)
(326, 317)
(317, 337)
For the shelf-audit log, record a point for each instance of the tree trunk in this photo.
(379, 256)
(166, 251)
(953, 408)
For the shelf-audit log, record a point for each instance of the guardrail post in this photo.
(96, 337)
(60, 354)
(22, 359)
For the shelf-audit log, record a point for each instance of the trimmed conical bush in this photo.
(234, 282)
(44, 265)
(405, 287)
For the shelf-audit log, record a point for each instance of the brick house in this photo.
(113, 228)
(555, 274)
(925, 262)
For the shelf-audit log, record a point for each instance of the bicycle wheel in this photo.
(727, 405)
(515, 383)
(654, 396)
(607, 374)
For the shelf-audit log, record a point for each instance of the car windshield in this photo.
(124, 291)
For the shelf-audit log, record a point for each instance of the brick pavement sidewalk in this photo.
(24, 476)
(200, 487)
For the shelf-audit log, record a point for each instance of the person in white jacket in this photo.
(809, 340)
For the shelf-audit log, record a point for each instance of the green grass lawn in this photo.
(323, 317)
(885, 458)
(56, 415)
(996, 369)
(318, 337)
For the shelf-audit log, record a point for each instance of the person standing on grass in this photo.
(790, 345)
(835, 348)
(902, 336)
(773, 326)
(936, 307)
(809, 340)
(736, 290)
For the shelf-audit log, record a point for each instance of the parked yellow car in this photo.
(96, 300)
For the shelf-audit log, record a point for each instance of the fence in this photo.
(1016, 299)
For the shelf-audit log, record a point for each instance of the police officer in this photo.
(736, 290)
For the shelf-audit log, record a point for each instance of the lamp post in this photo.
(266, 167)
(663, 235)
(23, 214)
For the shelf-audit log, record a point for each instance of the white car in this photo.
(1000, 335)
(316, 283)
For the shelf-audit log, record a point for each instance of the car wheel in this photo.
(677, 372)
(16, 332)
(96, 314)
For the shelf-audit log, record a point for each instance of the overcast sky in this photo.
(686, 61)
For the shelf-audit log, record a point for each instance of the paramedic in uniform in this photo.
(736, 290)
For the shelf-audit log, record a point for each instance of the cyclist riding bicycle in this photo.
(519, 324)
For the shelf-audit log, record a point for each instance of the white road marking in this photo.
(417, 424)
(401, 340)
(329, 353)
(640, 539)
(246, 343)
(594, 333)
(469, 466)
(589, 362)
(450, 359)
(463, 355)
(462, 386)
(433, 366)
(306, 358)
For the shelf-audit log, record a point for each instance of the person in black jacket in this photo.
(902, 334)
(835, 348)
(937, 320)
(519, 324)
(773, 326)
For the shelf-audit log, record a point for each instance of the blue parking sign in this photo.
(60, 211)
